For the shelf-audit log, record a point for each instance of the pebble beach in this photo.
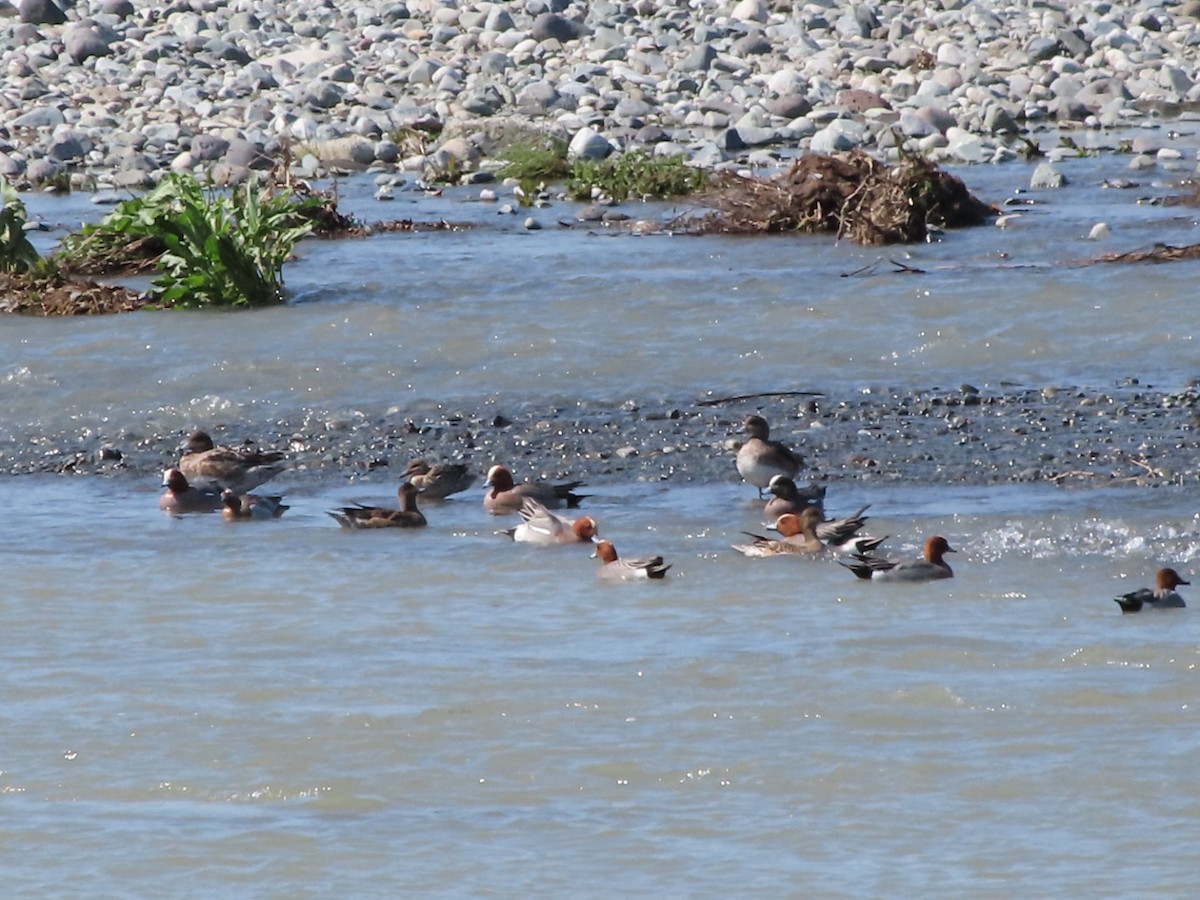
(116, 93)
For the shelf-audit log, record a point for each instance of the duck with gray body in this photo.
(760, 459)
(240, 469)
(930, 567)
(183, 497)
(613, 568)
(506, 496)
(237, 507)
(1162, 596)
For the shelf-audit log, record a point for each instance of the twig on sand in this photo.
(871, 267)
(1150, 470)
(719, 400)
(1074, 473)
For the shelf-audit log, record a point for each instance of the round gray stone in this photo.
(84, 42)
(552, 26)
(41, 12)
(208, 147)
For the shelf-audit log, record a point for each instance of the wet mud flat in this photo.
(1131, 434)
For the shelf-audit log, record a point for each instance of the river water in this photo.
(194, 708)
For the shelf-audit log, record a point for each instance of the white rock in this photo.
(589, 144)
(1046, 176)
(963, 145)
(750, 11)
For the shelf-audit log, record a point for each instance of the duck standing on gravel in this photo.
(760, 459)
(240, 469)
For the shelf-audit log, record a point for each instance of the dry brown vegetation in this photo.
(1157, 253)
(854, 196)
(61, 296)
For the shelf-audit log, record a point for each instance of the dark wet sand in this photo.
(1131, 434)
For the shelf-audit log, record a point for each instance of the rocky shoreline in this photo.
(111, 94)
(1132, 434)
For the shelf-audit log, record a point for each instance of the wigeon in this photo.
(929, 568)
(439, 481)
(235, 506)
(614, 568)
(859, 545)
(837, 533)
(761, 459)
(799, 537)
(360, 516)
(1162, 596)
(238, 468)
(507, 497)
(790, 499)
(182, 497)
(540, 526)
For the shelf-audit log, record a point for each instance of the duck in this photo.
(361, 516)
(859, 545)
(183, 497)
(507, 497)
(1162, 596)
(838, 533)
(799, 537)
(236, 507)
(760, 459)
(439, 481)
(540, 526)
(614, 568)
(788, 498)
(930, 567)
(240, 469)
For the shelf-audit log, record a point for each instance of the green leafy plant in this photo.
(226, 250)
(127, 240)
(209, 249)
(536, 163)
(634, 174)
(17, 254)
